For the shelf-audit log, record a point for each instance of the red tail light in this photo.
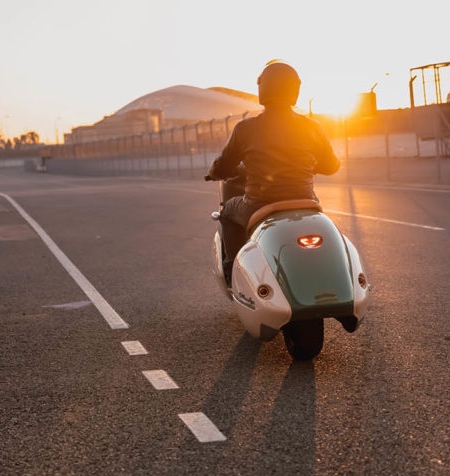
(310, 241)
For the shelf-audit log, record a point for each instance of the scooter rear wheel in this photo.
(304, 339)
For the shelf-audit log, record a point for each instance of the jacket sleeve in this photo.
(225, 166)
(327, 162)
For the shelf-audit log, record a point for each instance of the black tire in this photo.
(304, 339)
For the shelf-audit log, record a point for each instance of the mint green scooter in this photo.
(295, 270)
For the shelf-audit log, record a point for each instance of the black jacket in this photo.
(281, 151)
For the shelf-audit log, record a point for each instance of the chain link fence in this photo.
(383, 149)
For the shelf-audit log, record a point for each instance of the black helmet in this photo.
(278, 83)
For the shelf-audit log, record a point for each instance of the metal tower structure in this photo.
(431, 79)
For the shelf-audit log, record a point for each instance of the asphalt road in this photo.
(75, 402)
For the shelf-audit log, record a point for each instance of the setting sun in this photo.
(341, 104)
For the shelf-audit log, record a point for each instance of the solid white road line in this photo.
(108, 313)
(387, 220)
(134, 347)
(202, 427)
(160, 379)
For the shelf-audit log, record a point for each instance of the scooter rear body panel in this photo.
(317, 280)
(299, 283)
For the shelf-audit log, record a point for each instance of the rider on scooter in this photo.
(281, 151)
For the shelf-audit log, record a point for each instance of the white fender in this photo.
(360, 292)
(261, 316)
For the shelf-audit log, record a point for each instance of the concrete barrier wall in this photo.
(5, 163)
(190, 165)
(417, 170)
(398, 170)
(382, 145)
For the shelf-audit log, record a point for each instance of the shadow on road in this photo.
(260, 400)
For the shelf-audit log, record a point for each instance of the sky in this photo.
(66, 63)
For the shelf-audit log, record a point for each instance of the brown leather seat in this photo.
(283, 205)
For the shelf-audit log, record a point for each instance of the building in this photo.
(175, 106)
(129, 123)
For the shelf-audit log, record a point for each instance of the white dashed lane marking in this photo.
(202, 427)
(134, 347)
(160, 379)
(198, 423)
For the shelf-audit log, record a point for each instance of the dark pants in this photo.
(234, 218)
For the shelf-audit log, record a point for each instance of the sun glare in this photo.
(342, 104)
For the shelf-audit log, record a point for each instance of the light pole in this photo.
(372, 89)
(411, 91)
(310, 106)
(56, 129)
